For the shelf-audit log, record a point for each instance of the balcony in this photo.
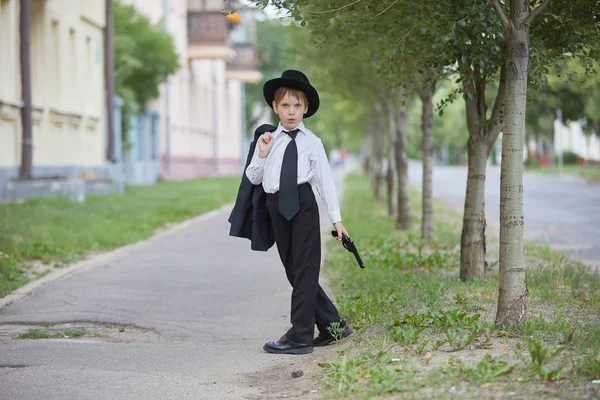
(212, 35)
(207, 28)
(245, 57)
(243, 65)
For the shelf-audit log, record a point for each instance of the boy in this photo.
(287, 162)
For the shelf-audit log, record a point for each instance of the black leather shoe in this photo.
(325, 338)
(287, 346)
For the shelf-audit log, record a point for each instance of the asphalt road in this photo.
(561, 211)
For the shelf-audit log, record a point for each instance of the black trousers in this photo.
(299, 246)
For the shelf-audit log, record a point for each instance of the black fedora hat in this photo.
(296, 80)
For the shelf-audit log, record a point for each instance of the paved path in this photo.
(197, 307)
(562, 211)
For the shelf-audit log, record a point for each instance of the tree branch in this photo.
(479, 94)
(390, 6)
(495, 121)
(506, 24)
(536, 12)
(470, 104)
(334, 10)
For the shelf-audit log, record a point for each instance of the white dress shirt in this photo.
(313, 167)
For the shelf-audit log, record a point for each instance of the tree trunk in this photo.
(539, 151)
(472, 240)
(512, 299)
(367, 148)
(392, 170)
(109, 75)
(378, 154)
(26, 170)
(402, 168)
(482, 135)
(427, 193)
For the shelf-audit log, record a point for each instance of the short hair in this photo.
(282, 91)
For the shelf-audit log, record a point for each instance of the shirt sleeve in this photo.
(255, 169)
(323, 181)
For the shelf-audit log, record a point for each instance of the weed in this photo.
(336, 330)
(460, 338)
(420, 348)
(406, 335)
(588, 366)
(34, 334)
(41, 334)
(371, 373)
(442, 319)
(541, 355)
(489, 369)
(75, 332)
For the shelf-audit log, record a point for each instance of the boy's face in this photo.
(291, 110)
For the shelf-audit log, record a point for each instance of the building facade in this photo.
(195, 127)
(68, 88)
(201, 109)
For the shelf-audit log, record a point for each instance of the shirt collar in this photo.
(280, 129)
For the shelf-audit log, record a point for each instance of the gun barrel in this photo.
(358, 260)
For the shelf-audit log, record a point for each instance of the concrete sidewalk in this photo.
(183, 316)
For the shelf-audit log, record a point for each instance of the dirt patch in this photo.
(89, 331)
(278, 381)
(36, 269)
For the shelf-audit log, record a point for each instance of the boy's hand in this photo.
(340, 230)
(265, 142)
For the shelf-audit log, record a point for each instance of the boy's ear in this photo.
(274, 105)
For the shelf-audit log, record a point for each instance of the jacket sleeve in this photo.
(243, 203)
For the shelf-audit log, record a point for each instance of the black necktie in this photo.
(289, 204)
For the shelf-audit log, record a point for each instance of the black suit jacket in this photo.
(250, 218)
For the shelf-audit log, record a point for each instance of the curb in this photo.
(104, 258)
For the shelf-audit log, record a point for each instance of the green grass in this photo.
(34, 334)
(421, 331)
(42, 334)
(57, 231)
(589, 172)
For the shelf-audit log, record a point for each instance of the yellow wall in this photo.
(67, 83)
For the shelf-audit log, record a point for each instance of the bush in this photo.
(569, 157)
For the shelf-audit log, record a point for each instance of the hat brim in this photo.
(311, 93)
